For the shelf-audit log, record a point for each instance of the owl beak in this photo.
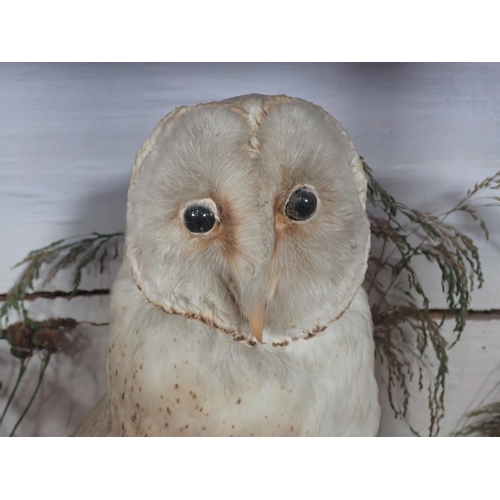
(257, 322)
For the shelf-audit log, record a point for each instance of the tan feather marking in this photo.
(284, 226)
(254, 145)
(196, 316)
(283, 343)
(229, 224)
(315, 331)
(274, 101)
(224, 233)
(239, 111)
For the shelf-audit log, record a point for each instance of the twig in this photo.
(43, 366)
(42, 294)
(22, 370)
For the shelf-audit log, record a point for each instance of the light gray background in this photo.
(68, 138)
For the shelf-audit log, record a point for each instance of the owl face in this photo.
(249, 215)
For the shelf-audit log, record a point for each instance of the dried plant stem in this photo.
(43, 367)
(487, 418)
(74, 252)
(379, 263)
(487, 422)
(405, 333)
(59, 294)
(22, 369)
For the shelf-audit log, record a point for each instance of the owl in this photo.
(239, 308)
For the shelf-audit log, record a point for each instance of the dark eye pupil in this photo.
(199, 219)
(301, 205)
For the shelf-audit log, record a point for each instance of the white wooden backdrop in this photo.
(68, 138)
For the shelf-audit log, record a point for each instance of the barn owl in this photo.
(239, 308)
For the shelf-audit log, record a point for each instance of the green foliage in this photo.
(28, 337)
(75, 252)
(486, 422)
(406, 334)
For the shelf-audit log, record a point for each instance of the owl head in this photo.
(249, 215)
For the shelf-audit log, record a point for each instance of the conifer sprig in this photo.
(76, 252)
(407, 338)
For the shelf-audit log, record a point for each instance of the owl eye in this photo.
(199, 219)
(301, 205)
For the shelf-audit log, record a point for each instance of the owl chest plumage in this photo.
(173, 376)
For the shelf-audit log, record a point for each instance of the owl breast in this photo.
(169, 375)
